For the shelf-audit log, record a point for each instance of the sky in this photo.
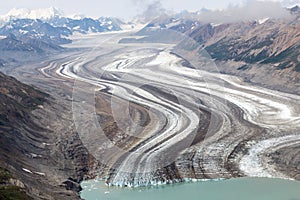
(124, 9)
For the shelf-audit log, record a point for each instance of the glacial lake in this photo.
(233, 189)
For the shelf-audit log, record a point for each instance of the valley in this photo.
(175, 100)
(177, 123)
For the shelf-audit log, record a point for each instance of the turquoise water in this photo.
(234, 189)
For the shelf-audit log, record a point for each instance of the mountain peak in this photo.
(295, 9)
(23, 13)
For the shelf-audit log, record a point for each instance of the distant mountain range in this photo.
(43, 30)
(55, 17)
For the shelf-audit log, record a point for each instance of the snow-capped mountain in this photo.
(24, 13)
(43, 29)
(87, 25)
(56, 18)
(36, 29)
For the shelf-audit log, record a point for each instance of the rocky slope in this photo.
(267, 54)
(46, 156)
(274, 42)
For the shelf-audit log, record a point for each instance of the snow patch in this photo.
(33, 155)
(23, 32)
(215, 25)
(27, 170)
(40, 173)
(262, 21)
(76, 28)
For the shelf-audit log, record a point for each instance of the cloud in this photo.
(149, 9)
(251, 10)
(289, 3)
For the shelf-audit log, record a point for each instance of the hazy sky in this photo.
(119, 8)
